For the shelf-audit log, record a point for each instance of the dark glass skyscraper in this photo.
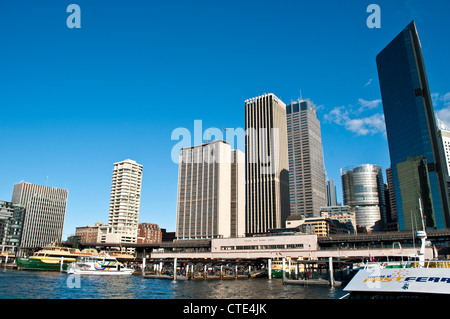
(416, 159)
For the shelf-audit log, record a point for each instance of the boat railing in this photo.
(409, 264)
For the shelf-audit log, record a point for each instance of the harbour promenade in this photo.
(394, 245)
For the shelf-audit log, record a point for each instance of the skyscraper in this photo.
(444, 134)
(124, 204)
(267, 164)
(306, 170)
(416, 159)
(45, 210)
(363, 191)
(211, 194)
(331, 193)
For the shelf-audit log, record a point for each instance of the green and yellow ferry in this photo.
(53, 258)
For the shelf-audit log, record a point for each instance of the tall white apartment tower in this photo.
(307, 183)
(45, 210)
(211, 193)
(267, 164)
(124, 205)
(444, 134)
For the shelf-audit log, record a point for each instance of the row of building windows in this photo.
(262, 247)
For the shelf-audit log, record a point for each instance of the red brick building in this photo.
(149, 233)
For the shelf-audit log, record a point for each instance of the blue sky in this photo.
(74, 101)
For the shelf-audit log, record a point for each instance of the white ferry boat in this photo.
(413, 279)
(98, 265)
(419, 279)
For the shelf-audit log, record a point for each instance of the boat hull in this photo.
(126, 272)
(41, 264)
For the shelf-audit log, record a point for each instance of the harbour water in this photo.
(53, 285)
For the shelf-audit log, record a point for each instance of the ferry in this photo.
(98, 265)
(52, 258)
(411, 279)
(418, 279)
(120, 255)
(277, 268)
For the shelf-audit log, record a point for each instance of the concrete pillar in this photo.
(175, 268)
(289, 266)
(144, 261)
(269, 268)
(330, 268)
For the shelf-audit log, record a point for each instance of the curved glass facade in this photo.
(362, 188)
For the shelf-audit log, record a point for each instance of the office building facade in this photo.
(45, 211)
(363, 192)
(149, 233)
(331, 193)
(211, 193)
(11, 224)
(267, 164)
(417, 162)
(88, 234)
(307, 185)
(444, 135)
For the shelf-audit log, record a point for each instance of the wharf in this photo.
(8, 265)
(194, 276)
(315, 282)
(158, 276)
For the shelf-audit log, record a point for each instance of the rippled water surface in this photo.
(48, 285)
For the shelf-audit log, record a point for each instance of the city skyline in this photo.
(117, 87)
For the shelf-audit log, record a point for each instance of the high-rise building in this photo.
(331, 193)
(11, 223)
(363, 191)
(124, 203)
(444, 134)
(267, 164)
(417, 162)
(45, 210)
(306, 168)
(211, 193)
(392, 217)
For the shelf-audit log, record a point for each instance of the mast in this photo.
(423, 237)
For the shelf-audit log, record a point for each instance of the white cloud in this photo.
(367, 125)
(442, 105)
(439, 100)
(367, 105)
(352, 121)
(368, 82)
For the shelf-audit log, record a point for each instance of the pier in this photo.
(192, 269)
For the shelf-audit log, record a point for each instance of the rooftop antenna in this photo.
(301, 97)
(224, 129)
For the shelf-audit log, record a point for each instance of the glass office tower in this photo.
(363, 191)
(416, 159)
